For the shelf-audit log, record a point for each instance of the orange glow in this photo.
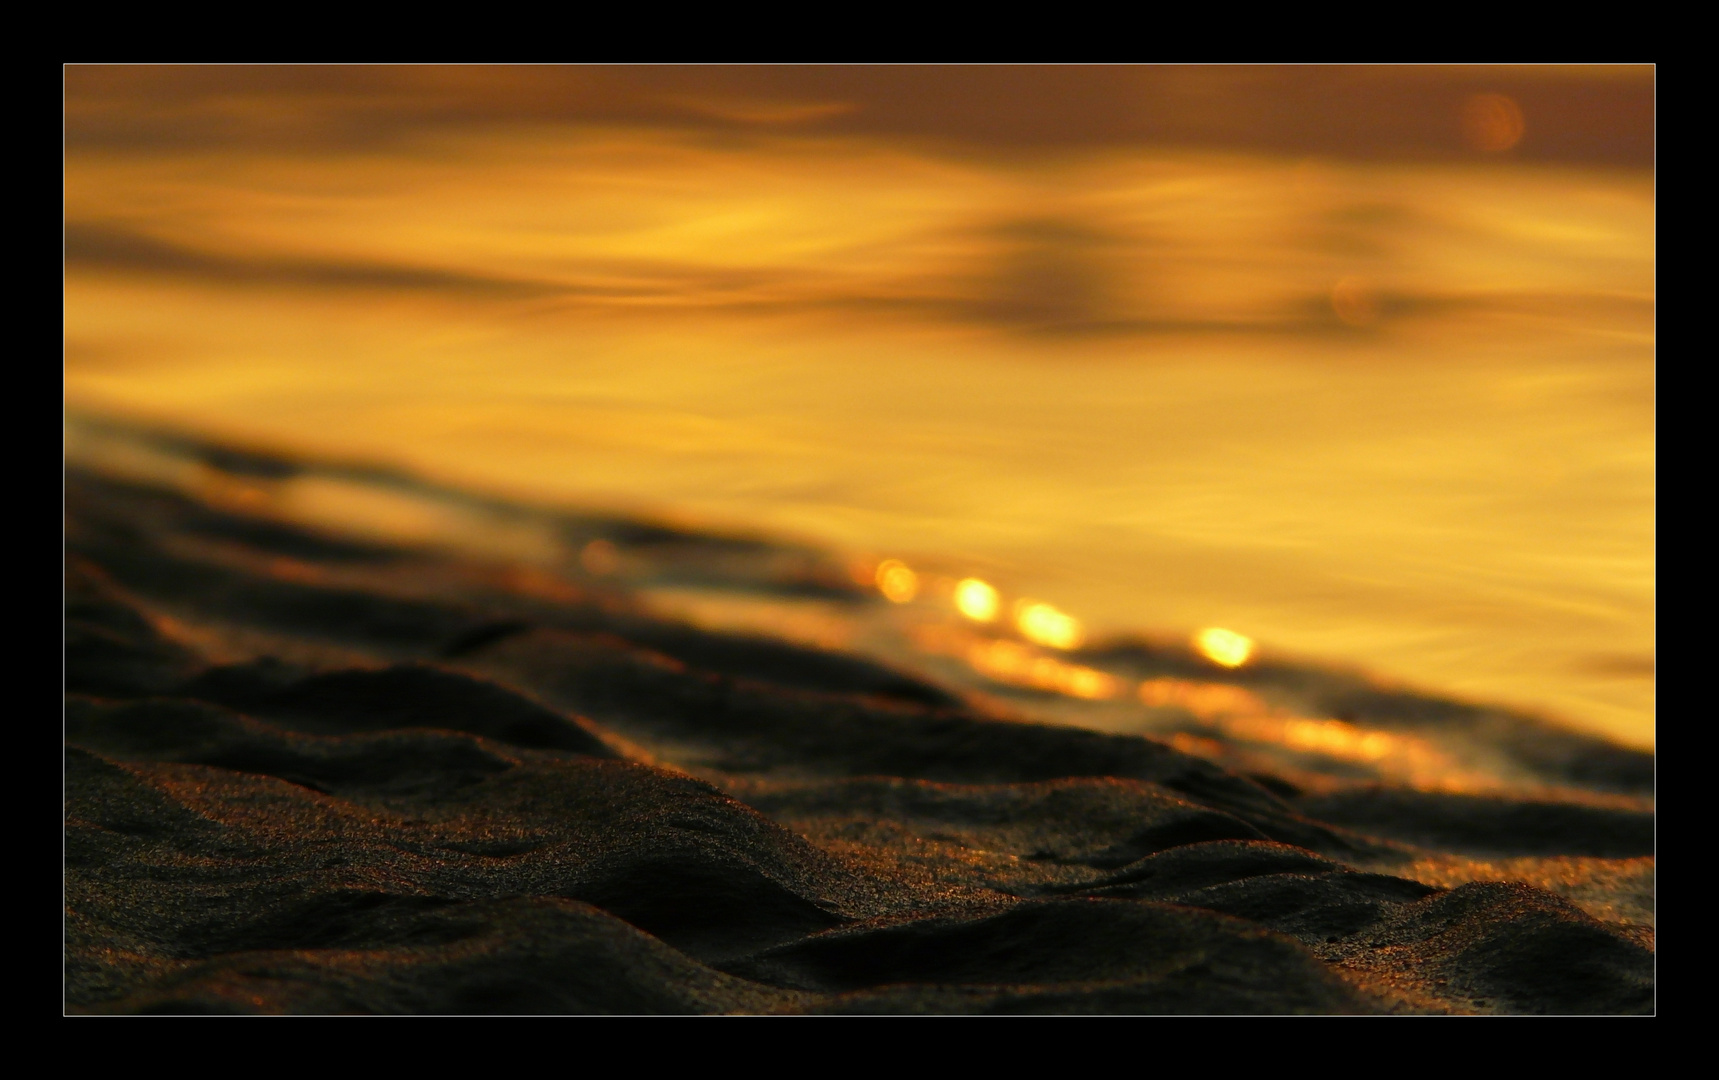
(1012, 662)
(1225, 647)
(1046, 625)
(1404, 757)
(897, 583)
(1203, 699)
(1018, 664)
(1492, 122)
(1337, 739)
(976, 600)
(1242, 715)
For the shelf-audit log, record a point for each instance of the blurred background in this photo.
(1353, 363)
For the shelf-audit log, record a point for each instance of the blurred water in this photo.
(1399, 416)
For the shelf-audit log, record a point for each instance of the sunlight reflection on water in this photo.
(1400, 415)
(800, 596)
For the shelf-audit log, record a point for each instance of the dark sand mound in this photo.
(520, 956)
(402, 696)
(1488, 823)
(1188, 961)
(311, 775)
(1518, 947)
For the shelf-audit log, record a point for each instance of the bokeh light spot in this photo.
(1020, 665)
(897, 583)
(1045, 625)
(1225, 647)
(976, 600)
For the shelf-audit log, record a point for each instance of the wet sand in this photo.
(308, 774)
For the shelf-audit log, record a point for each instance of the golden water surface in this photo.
(1391, 413)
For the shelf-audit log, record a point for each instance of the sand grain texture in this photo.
(311, 776)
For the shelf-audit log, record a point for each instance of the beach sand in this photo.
(307, 774)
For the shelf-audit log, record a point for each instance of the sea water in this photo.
(1394, 417)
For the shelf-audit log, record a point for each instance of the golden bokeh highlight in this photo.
(1203, 699)
(1020, 665)
(1404, 757)
(1241, 715)
(1226, 718)
(1015, 663)
(1225, 647)
(1334, 738)
(1492, 122)
(976, 599)
(897, 583)
(1045, 625)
